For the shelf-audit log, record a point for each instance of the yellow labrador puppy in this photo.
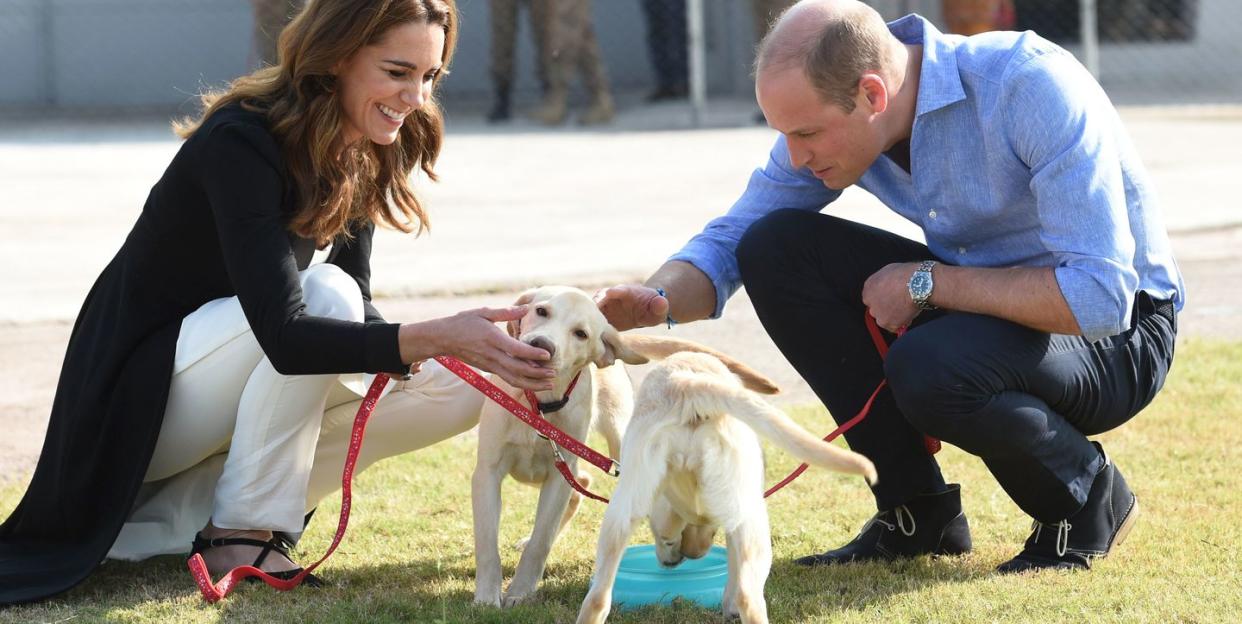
(691, 462)
(567, 324)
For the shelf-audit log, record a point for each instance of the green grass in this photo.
(408, 555)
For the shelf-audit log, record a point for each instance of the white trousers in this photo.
(250, 448)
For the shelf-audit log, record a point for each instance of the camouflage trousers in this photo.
(270, 17)
(569, 44)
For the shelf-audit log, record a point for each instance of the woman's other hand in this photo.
(473, 337)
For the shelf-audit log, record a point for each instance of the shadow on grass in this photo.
(427, 589)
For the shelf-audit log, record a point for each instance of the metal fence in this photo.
(124, 54)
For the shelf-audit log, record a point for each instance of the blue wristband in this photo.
(668, 318)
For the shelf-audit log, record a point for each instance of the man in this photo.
(1041, 309)
(568, 45)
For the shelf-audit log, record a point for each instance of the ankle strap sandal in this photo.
(277, 543)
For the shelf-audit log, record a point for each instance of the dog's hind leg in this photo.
(614, 406)
(575, 499)
(750, 560)
(632, 501)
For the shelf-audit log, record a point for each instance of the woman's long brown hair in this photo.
(367, 182)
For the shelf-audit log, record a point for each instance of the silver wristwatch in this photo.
(921, 285)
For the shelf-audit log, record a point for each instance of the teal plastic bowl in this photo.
(641, 580)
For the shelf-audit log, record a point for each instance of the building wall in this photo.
(125, 54)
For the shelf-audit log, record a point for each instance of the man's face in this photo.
(836, 146)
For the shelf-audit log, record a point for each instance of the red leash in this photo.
(531, 416)
(213, 592)
(932, 444)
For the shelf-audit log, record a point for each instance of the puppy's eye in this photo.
(581, 334)
(541, 311)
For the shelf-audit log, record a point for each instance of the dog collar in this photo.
(552, 406)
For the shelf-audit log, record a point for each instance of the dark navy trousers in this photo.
(1022, 400)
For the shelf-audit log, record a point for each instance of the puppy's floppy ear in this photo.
(515, 327)
(616, 349)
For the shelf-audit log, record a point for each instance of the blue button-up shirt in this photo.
(1017, 158)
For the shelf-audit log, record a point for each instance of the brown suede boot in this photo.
(554, 109)
(600, 112)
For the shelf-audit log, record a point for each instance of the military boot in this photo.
(554, 109)
(601, 110)
(500, 107)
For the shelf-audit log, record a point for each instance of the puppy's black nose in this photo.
(545, 344)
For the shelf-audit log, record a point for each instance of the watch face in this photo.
(920, 285)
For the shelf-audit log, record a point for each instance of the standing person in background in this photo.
(504, 16)
(190, 411)
(270, 18)
(570, 45)
(764, 13)
(666, 43)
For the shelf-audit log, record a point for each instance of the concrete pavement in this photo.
(515, 206)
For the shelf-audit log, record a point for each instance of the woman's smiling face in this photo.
(382, 84)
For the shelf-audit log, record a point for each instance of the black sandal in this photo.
(277, 544)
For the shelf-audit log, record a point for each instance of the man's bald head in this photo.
(834, 42)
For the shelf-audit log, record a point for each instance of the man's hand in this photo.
(473, 337)
(887, 296)
(627, 306)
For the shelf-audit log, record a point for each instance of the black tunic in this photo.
(213, 226)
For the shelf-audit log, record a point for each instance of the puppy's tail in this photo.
(659, 347)
(709, 395)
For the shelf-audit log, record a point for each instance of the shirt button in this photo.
(961, 250)
(932, 214)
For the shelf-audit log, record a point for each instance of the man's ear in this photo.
(874, 92)
(515, 327)
(615, 349)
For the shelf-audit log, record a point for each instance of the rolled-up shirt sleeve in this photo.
(775, 185)
(1061, 125)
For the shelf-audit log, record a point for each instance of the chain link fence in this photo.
(549, 57)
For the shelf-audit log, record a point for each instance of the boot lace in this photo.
(902, 515)
(1063, 528)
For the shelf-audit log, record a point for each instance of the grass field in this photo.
(408, 556)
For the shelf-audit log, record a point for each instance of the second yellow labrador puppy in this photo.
(691, 462)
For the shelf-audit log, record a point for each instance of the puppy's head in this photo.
(565, 322)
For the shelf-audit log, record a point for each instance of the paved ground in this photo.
(516, 207)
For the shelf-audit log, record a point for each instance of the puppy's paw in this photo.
(516, 597)
(520, 545)
(487, 598)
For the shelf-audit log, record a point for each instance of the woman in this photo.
(198, 372)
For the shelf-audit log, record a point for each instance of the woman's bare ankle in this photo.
(223, 558)
(212, 531)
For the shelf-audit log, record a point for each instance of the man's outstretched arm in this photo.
(690, 296)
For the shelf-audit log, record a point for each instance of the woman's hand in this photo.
(632, 305)
(473, 337)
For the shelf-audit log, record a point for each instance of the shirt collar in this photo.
(939, 82)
